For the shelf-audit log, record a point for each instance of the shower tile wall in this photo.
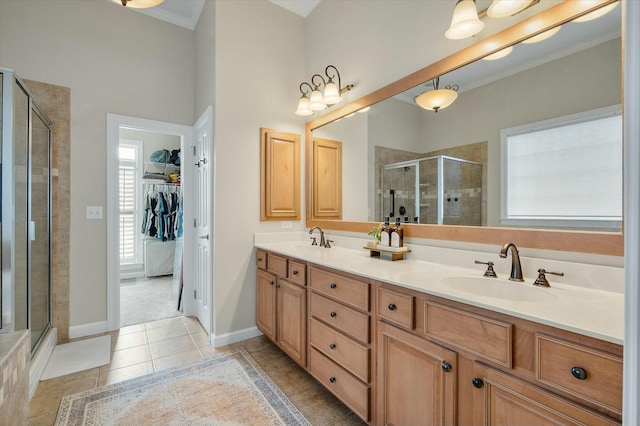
(388, 156)
(55, 101)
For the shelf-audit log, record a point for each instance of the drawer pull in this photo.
(579, 373)
(332, 346)
(446, 367)
(332, 379)
(295, 272)
(477, 382)
(259, 259)
(392, 306)
(271, 283)
(333, 314)
(333, 285)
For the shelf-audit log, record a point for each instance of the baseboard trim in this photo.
(41, 358)
(235, 336)
(88, 329)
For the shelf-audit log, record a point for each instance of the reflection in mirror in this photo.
(576, 70)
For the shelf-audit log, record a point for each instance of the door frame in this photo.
(114, 122)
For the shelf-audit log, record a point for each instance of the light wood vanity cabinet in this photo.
(507, 371)
(401, 357)
(281, 304)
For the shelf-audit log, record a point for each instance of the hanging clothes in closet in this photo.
(161, 218)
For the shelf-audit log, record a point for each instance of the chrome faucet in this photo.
(322, 241)
(516, 268)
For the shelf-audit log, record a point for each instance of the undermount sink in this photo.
(500, 289)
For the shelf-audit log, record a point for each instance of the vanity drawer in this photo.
(297, 272)
(261, 259)
(350, 321)
(396, 308)
(340, 349)
(277, 265)
(479, 335)
(347, 290)
(601, 382)
(347, 388)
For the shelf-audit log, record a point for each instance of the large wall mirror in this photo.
(445, 173)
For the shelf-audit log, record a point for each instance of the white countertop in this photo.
(591, 312)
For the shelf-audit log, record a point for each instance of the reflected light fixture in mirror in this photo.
(505, 8)
(437, 99)
(139, 4)
(499, 54)
(542, 36)
(465, 22)
(596, 13)
(318, 101)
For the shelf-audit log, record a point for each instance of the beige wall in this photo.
(259, 51)
(114, 60)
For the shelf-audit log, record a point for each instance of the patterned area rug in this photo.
(224, 389)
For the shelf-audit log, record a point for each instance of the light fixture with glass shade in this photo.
(505, 8)
(317, 100)
(139, 4)
(499, 54)
(465, 22)
(542, 36)
(437, 99)
(596, 13)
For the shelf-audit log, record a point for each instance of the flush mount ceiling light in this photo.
(505, 8)
(437, 99)
(499, 54)
(317, 100)
(139, 4)
(465, 22)
(542, 36)
(596, 13)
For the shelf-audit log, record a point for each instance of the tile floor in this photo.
(153, 346)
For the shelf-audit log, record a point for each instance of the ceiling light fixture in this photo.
(596, 13)
(465, 22)
(139, 4)
(505, 8)
(317, 101)
(542, 36)
(437, 99)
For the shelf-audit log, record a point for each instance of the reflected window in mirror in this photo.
(565, 172)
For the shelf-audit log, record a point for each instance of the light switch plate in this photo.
(94, 212)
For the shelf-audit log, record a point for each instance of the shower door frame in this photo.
(7, 319)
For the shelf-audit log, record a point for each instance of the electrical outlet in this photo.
(94, 212)
(286, 225)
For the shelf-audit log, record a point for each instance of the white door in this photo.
(203, 260)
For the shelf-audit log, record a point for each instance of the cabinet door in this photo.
(416, 380)
(504, 400)
(291, 320)
(280, 175)
(266, 303)
(327, 179)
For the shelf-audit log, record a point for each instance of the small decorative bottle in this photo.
(384, 233)
(397, 235)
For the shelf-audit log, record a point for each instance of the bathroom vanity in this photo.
(418, 342)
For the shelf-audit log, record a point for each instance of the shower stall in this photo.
(433, 190)
(25, 162)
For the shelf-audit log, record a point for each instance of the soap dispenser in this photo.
(397, 235)
(384, 233)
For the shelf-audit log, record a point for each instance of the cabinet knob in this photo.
(259, 259)
(332, 379)
(333, 314)
(332, 285)
(295, 272)
(332, 346)
(277, 285)
(271, 283)
(392, 306)
(446, 367)
(477, 382)
(579, 373)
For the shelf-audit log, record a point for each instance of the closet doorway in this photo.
(150, 226)
(120, 128)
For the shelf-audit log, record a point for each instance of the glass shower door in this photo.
(40, 228)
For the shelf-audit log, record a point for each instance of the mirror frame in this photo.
(606, 243)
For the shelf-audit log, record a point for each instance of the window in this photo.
(130, 172)
(565, 172)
